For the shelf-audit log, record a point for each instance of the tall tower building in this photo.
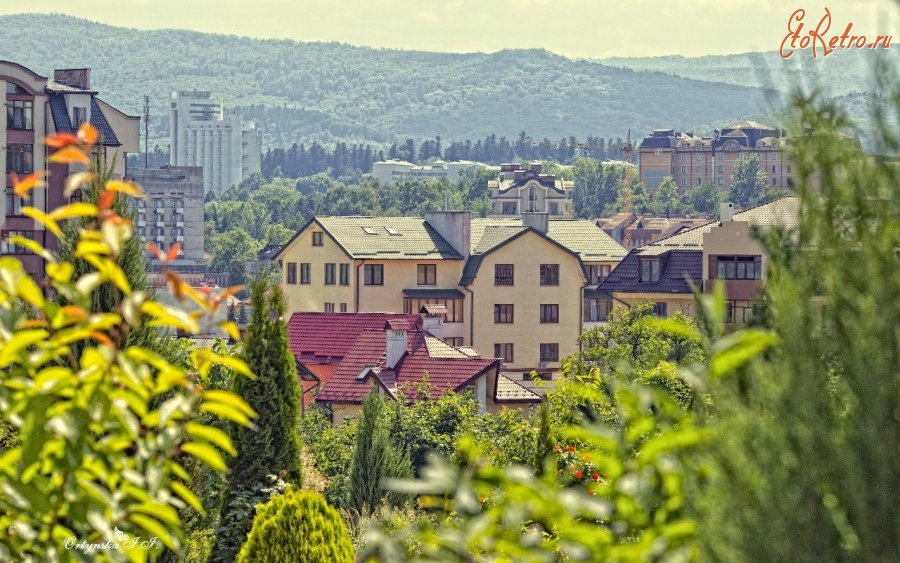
(202, 134)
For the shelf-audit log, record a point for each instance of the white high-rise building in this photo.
(202, 134)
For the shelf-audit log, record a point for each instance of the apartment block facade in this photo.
(521, 189)
(37, 106)
(228, 148)
(691, 160)
(511, 288)
(172, 213)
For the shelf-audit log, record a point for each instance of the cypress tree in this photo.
(273, 447)
(374, 459)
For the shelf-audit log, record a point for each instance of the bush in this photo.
(297, 526)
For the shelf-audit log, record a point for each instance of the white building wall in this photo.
(225, 146)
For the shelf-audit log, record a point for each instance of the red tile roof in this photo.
(446, 366)
(326, 337)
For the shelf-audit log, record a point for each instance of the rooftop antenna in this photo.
(146, 131)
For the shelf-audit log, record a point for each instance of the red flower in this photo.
(578, 474)
(570, 449)
(595, 477)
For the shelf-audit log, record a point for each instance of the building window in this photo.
(504, 352)
(597, 310)
(550, 313)
(503, 274)
(345, 274)
(721, 181)
(774, 181)
(721, 169)
(699, 157)
(739, 267)
(317, 238)
(18, 114)
(373, 274)
(426, 274)
(740, 155)
(597, 274)
(304, 272)
(330, 273)
(292, 272)
(774, 169)
(79, 116)
(343, 307)
(503, 314)
(455, 341)
(19, 158)
(698, 181)
(15, 203)
(7, 247)
(684, 181)
(509, 208)
(774, 156)
(659, 309)
(549, 274)
(650, 270)
(788, 170)
(412, 306)
(554, 208)
(550, 352)
(684, 169)
(684, 158)
(721, 156)
(329, 307)
(697, 169)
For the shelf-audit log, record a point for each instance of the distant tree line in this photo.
(346, 160)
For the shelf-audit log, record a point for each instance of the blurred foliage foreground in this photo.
(774, 443)
(101, 426)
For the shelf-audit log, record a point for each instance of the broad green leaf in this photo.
(207, 454)
(229, 398)
(735, 350)
(154, 529)
(211, 434)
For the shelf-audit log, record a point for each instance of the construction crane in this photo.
(628, 150)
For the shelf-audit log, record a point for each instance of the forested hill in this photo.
(327, 91)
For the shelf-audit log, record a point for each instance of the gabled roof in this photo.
(326, 337)
(384, 238)
(61, 122)
(447, 367)
(681, 254)
(506, 390)
(581, 238)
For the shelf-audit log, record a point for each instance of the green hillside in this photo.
(328, 91)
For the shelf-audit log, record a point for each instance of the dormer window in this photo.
(650, 270)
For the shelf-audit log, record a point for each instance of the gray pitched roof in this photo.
(681, 255)
(61, 122)
(369, 238)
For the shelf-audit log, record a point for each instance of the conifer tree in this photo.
(544, 441)
(374, 458)
(273, 447)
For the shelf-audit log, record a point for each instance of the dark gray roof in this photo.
(434, 293)
(61, 122)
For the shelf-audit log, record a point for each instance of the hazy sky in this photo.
(576, 28)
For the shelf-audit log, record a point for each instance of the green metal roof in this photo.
(388, 238)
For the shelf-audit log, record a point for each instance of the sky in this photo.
(575, 28)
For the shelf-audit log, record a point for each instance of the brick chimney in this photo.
(396, 346)
(77, 77)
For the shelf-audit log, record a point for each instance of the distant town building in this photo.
(36, 107)
(692, 160)
(524, 189)
(223, 144)
(172, 213)
(394, 171)
(632, 231)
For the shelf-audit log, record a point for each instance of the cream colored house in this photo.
(512, 288)
(521, 190)
(723, 251)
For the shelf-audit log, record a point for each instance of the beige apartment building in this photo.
(36, 107)
(692, 160)
(511, 288)
(723, 251)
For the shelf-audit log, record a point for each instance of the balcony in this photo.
(160, 223)
(161, 238)
(160, 210)
(179, 224)
(180, 238)
(179, 210)
(142, 223)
